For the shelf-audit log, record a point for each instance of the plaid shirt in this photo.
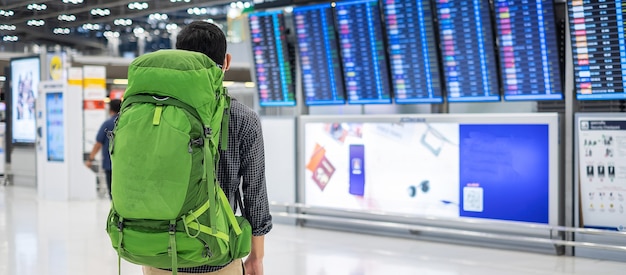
(244, 162)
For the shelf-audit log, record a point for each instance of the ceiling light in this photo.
(73, 2)
(7, 13)
(158, 16)
(9, 38)
(138, 6)
(37, 7)
(35, 22)
(111, 34)
(138, 31)
(171, 27)
(91, 27)
(176, 1)
(5, 27)
(122, 22)
(197, 11)
(66, 17)
(61, 31)
(100, 12)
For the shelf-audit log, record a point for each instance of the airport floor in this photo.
(66, 238)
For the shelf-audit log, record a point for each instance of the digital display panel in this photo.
(438, 169)
(322, 79)
(55, 131)
(363, 52)
(25, 77)
(413, 51)
(529, 55)
(599, 50)
(274, 74)
(467, 44)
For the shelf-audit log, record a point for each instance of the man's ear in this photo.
(226, 62)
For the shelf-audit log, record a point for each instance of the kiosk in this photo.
(61, 174)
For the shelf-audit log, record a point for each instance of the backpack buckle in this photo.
(208, 132)
(120, 226)
(172, 229)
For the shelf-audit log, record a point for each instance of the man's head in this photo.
(206, 38)
(114, 106)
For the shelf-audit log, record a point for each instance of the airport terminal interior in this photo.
(400, 136)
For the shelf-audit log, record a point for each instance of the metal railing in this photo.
(465, 227)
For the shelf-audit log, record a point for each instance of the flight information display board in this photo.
(274, 74)
(468, 50)
(322, 79)
(362, 52)
(599, 50)
(529, 56)
(413, 51)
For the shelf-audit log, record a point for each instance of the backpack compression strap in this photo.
(225, 121)
(145, 98)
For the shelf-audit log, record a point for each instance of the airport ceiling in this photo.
(68, 22)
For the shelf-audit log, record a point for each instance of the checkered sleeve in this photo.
(252, 171)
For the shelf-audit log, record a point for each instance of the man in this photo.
(102, 142)
(243, 162)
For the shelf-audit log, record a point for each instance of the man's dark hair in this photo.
(114, 105)
(204, 37)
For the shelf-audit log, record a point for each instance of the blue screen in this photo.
(413, 51)
(529, 55)
(467, 45)
(322, 79)
(55, 131)
(599, 49)
(509, 164)
(363, 52)
(274, 74)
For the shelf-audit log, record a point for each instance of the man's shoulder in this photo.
(241, 111)
(110, 121)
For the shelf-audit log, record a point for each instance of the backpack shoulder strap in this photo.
(225, 121)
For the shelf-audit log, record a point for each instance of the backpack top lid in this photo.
(190, 77)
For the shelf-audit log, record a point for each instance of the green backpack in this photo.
(168, 209)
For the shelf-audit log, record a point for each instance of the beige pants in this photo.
(234, 268)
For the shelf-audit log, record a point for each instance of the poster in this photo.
(602, 171)
(25, 76)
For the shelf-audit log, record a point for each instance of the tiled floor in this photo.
(47, 237)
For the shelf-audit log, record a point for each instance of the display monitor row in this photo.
(368, 52)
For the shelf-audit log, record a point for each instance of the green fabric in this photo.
(190, 77)
(168, 210)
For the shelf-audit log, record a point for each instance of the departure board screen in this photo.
(529, 55)
(469, 62)
(274, 74)
(413, 51)
(362, 52)
(599, 50)
(322, 79)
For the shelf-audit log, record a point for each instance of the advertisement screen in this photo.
(25, 76)
(55, 131)
(440, 169)
(602, 171)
